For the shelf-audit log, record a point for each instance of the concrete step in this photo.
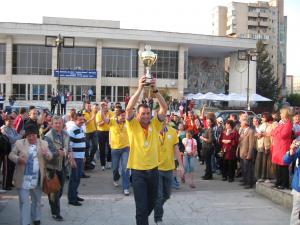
(281, 197)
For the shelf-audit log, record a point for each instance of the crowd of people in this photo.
(151, 150)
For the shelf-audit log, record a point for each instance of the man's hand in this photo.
(44, 152)
(73, 163)
(181, 171)
(22, 160)
(142, 82)
(292, 148)
(153, 84)
(61, 152)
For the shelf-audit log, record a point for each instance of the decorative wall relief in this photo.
(205, 75)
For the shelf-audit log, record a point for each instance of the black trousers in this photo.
(145, 190)
(54, 198)
(282, 176)
(103, 137)
(8, 168)
(248, 171)
(63, 109)
(207, 153)
(228, 168)
(52, 109)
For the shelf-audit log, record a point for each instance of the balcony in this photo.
(252, 14)
(263, 14)
(231, 22)
(252, 23)
(263, 24)
(231, 31)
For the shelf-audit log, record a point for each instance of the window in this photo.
(49, 92)
(38, 92)
(106, 92)
(2, 58)
(118, 62)
(32, 60)
(166, 66)
(82, 92)
(122, 91)
(19, 91)
(78, 58)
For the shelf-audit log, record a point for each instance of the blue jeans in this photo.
(74, 180)
(30, 210)
(120, 155)
(164, 193)
(145, 187)
(189, 163)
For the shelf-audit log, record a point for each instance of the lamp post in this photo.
(247, 55)
(59, 42)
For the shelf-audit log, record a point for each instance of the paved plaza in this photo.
(213, 202)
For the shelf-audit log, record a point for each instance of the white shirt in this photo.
(188, 144)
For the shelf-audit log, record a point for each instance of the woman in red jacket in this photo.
(229, 140)
(282, 139)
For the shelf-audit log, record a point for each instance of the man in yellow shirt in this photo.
(143, 132)
(168, 148)
(90, 133)
(119, 143)
(103, 136)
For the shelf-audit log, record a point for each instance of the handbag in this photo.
(51, 184)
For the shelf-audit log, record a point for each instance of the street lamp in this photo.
(247, 55)
(59, 42)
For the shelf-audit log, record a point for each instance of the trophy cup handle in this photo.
(155, 59)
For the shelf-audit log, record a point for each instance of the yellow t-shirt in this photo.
(166, 151)
(118, 137)
(143, 154)
(103, 127)
(91, 126)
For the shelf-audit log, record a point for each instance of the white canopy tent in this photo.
(231, 97)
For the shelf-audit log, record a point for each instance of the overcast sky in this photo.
(187, 16)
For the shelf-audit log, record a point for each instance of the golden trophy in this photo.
(149, 58)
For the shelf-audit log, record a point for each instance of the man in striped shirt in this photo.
(78, 145)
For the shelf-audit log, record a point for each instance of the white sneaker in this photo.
(267, 181)
(103, 168)
(115, 183)
(108, 165)
(126, 192)
(2, 191)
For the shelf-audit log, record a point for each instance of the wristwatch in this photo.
(155, 91)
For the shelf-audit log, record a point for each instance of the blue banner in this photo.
(76, 73)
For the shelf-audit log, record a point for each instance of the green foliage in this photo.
(165, 93)
(294, 99)
(266, 84)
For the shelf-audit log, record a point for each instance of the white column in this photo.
(180, 85)
(9, 89)
(98, 68)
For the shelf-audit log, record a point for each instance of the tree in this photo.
(266, 84)
(294, 99)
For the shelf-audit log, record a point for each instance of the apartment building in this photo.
(261, 21)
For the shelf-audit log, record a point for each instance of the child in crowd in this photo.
(190, 151)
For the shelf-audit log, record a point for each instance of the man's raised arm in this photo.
(163, 107)
(134, 98)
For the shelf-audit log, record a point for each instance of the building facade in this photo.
(260, 21)
(290, 84)
(105, 59)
